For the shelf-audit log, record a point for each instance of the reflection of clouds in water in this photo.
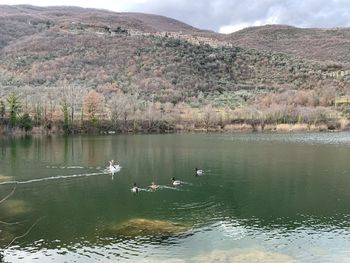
(231, 229)
(173, 260)
(150, 260)
(253, 255)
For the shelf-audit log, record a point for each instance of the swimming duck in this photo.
(175, 182)
(135, 189)
(199, 172)
(153, 186)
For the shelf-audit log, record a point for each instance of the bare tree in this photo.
(72, 94)
(121, 107)
(208, 115)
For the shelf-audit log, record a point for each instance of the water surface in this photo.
(281, 197)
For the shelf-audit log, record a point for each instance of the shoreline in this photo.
(181, 129)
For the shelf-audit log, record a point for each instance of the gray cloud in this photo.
(216, 14)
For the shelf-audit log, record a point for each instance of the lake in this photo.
(262, 198)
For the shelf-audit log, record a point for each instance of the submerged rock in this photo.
(13, 207)
(6, 236)
(148, 227)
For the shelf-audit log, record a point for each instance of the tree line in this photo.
(110, 110)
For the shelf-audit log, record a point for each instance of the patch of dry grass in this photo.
(238, 128)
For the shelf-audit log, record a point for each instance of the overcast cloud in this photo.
(227, 15)
(230, 15)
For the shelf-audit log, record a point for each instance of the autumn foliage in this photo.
(93, 105)
(143, 73)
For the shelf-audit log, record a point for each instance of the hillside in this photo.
(44, 46)
(309, 43)
(159, 62)
(22, 20)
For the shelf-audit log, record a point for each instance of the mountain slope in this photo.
(45, 48)
(309, 43)
(19, 21)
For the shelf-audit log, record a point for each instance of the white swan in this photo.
(199, 172)
(135, 189)
(113, 168)
(175, 182)
(154, 186)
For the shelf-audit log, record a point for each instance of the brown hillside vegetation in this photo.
(23, 20)
(311, 43)
(155, 73)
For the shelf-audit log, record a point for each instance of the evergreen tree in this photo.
(65, 116)
(14, 107)
(25, 122)
(2, 111)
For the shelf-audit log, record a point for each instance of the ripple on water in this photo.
(214, 221)
(308, 138)
(231, 229)
(195, 205)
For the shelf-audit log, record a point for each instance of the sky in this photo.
(225, 16)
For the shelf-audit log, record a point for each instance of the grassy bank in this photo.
(107, 127)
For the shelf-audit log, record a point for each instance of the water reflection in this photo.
(288, 194)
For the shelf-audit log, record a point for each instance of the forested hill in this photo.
(24, 20)
(312, 43)
(158, 59)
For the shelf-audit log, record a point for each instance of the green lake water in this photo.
(262, 197)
